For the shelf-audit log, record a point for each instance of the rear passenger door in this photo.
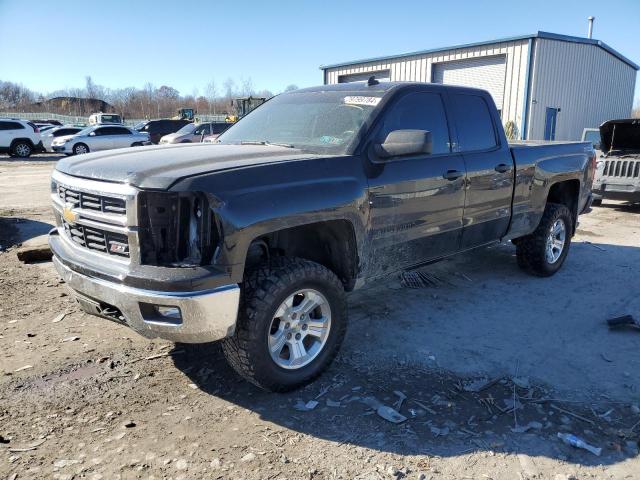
(102, 140)
(8, 131)
(490, 169)
(122, 137)
(415, 202)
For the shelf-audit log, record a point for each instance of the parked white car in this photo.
(48, 136)
(19, 138)
(99, 137)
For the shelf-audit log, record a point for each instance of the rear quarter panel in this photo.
(538, 167)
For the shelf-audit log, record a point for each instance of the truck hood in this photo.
(158, 167)
(620, 135)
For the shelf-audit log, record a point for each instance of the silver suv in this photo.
(19, 138)
(195, 133)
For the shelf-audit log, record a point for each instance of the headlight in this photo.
(177, 229)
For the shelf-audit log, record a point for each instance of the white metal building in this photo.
(551, 86)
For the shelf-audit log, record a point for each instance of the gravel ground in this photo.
(493, 364)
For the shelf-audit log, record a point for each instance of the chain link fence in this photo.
(75, 120)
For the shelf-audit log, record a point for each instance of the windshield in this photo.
(139, 125)
(189, 128)
(85, 131)
(320, 122)
(593, 136)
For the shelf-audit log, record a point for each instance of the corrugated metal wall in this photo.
(419, 68)
(587, 83)
(488, 73)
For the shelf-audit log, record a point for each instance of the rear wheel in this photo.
(543, 252)
(22, 149)
(136, 144)
(292, 320)
(80, 148)
(597, 202)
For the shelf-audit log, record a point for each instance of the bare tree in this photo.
(291, 87)
(247, 87)
(212, 94)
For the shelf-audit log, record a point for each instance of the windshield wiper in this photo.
(265, 142)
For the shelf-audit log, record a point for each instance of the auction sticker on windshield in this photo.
(373, 101)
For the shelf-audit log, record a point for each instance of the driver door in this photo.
(416, 201)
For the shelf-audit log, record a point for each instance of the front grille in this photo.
(622, 168)
(97, 239)
(92, 201)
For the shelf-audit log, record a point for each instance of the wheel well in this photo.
(566, 193)
(331, 244)
(17, 140)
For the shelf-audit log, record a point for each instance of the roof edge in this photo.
(539, 34)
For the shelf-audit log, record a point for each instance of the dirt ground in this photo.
(493, 364)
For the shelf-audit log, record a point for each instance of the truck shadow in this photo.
(488, 358)
(16, 230)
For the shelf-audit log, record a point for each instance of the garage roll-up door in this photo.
(485, 72)
(381, 76)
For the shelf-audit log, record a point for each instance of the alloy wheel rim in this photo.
(556, 241)
(299, 329)
(81, 149)
(22, 150)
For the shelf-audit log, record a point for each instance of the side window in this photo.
(473, 121)
(218, 128)
(11, 126)
(103, 131)
(420, 111)
(120, 131)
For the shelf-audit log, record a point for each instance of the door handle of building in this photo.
(453, 174)
(502, 168)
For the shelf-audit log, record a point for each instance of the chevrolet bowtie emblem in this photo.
(68, 214)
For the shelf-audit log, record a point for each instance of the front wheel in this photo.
(543, 252)
(22, 149)
(292, 321)
(80, 148)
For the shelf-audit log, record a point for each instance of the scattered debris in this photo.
(577, 442)
(71, 339)
(401, 398)
(26, 367)
(623, 321)
(605, 358)
(181, 464)
(59, 318)
(440, 432)
(159, 355)
(477, 386)
(65, 463)
(33, 446)
(305, 407)
(522, 382)
(390, 414)
(129, 424)
(529, 426)
(415, 279)
(249, 457)
(575, 415)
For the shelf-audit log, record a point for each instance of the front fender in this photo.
(252, 202)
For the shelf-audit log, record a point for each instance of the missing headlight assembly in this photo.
(177, 229)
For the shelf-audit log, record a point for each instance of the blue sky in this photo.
(52, 45)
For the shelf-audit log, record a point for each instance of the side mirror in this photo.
(405, 142)
(92, 134)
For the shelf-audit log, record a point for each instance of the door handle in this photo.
(502, 168)
(452, 175)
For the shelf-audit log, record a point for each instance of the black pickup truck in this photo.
(257, 239)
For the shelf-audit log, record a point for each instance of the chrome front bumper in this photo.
(205, 315)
